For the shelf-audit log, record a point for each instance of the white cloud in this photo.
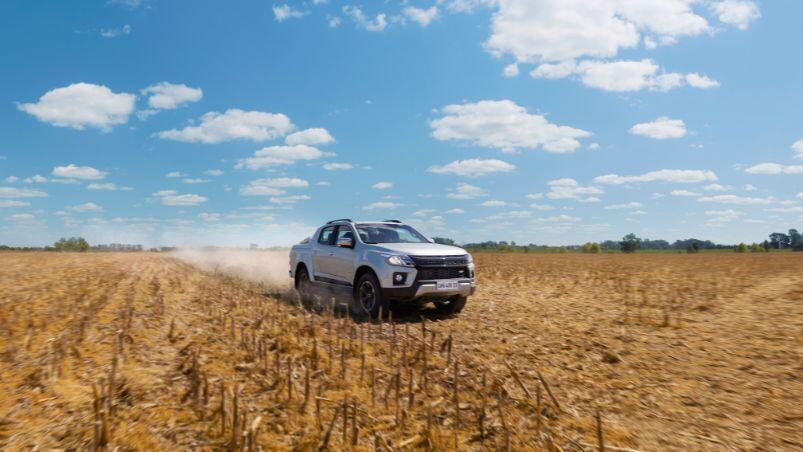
(664, 175)
(570, 189)
(382, 205)
(172, 198)
(108, 187)
(214, 172)
(494, 203)
(337, 166)
(504, 125)
(174, 174)
(717, 187)
(461, 211)
(423, 212)
(423, 17)
(734, 199)
(115, 32)
(194, 180)
(272, 187)
(661, 129)
(472, 167)
(696, 80)
(21, 217)
(738, 13)
(234, 124)
(82, 105)
(311, 137)
(630, 205)
(11, 179)
(13, 192)
(35, 179)
(281, 155)
(774, 168)
(723, 216)
(563, 218)
(78, 172)
(535, 196)
(537, 206)
(800, 195)
(289, 199)
(376, 24)
(511, 70)
(465, 191)
(382, 185)
(622, 75)
(284, 12)
(558, 30)
(210, 217)
(167, 96)
(86, 207)
(687, 193)
(13, 203)
(798, 148)
(798, 209)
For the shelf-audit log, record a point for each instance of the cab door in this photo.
(341, 259)
(322, 251)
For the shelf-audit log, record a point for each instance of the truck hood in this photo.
(419, 249)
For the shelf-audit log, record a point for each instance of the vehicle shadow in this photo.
(328, 300)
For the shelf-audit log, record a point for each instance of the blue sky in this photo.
(539, 121)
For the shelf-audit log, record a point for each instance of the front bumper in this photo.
(428, 289)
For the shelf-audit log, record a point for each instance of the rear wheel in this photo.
(452, 305)
(303, 282)
(368, 298)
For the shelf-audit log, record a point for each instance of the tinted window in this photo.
(389, 233)
(344, 232)
(326, 235)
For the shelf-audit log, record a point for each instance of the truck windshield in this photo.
(389, 233)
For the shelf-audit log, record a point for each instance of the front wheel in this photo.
(451, 306)
(368, 298)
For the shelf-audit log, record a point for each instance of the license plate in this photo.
(447, 285)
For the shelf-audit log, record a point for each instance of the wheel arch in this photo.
(361, 270)
(300, 266)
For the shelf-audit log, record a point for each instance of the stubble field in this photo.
(641, 352)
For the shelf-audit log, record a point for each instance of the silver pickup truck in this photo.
(380, 263)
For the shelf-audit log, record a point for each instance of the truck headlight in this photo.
(469, 259)
(400, 260)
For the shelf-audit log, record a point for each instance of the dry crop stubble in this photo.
(672, 351)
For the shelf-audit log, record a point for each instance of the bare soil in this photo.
(675, 352)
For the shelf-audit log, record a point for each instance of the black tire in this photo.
(368, 299)
(303, 282)
(451, 306)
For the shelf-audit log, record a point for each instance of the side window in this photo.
(326, 235)
(344, 231)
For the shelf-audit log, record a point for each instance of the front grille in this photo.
(426, 274)
(440, 261)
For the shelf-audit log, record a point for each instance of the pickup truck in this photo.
(382, 263)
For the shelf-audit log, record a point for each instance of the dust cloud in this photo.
(263, 266)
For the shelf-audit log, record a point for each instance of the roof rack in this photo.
(342, 219)
(392, 221)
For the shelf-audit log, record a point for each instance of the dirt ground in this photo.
(674, 351)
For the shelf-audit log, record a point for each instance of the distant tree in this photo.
(443, 240)
(591, 247)
(766, 245)
(779, 240)
(693, 248)
(756, 248)
(741, 248)
(795, 240)
(71, 244)
(630, 243)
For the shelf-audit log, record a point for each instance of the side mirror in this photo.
(345, 242)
